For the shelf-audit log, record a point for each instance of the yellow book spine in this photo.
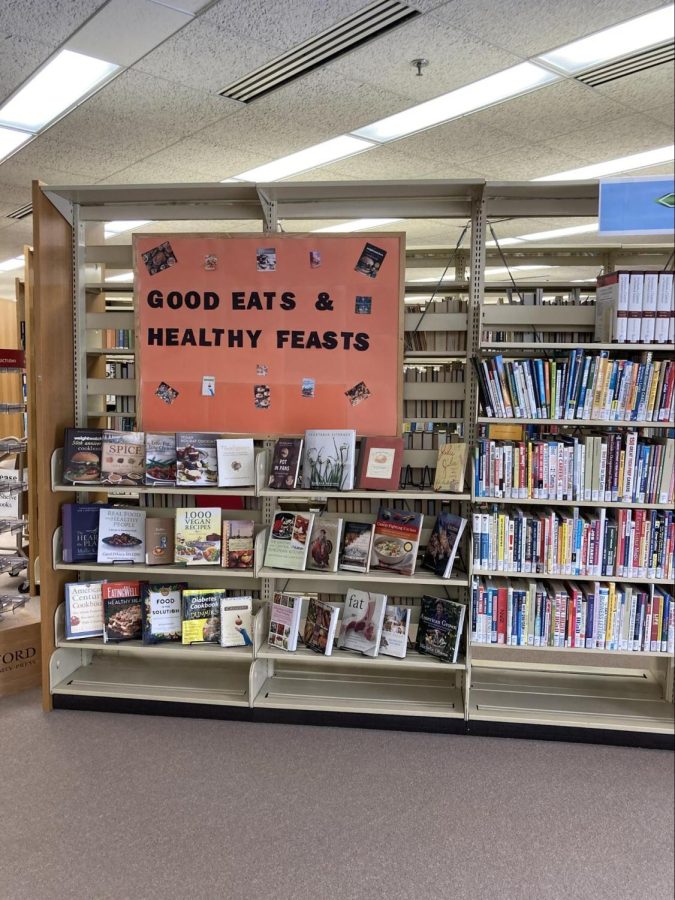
(651, 396)
(500, 540)
(611, 610)
(599, 388)
(530, 490)
(622, 466)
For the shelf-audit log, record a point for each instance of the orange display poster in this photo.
(269, 334)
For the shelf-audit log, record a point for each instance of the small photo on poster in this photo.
(166, 393)
(159, 258)
(266, 259)
(371, 260)
(209, 386)
(261, 396)
(358, 393)
(314, 259)
(308, 387)
(363, 306)
(262, 369)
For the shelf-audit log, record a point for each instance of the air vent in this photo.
(371, 22)
(629, 65)
(22, 212)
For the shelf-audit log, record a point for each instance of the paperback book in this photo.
(123, 458)
(201, 615)
(84, 610)
(285, 464)
(236, 622)
(450, 467)
(396, 540)
(79, 531)
(82, 449)
(356, 546)
(121, 535)
(440, 628)
(160, 459)
(395, 630)
(328, 460)
(324, 544)
(236, 462)
(288, 541)
(198, 535)
(320, 626)
(238, 543)
(197, 458)
(161, 612)
(379, 466)
(371, 260)
(284, 621)
(159, 541)
(441, 550)
(362, 622)
(122, 616)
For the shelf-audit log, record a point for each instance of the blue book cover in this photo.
(584, 386)
(83, 616)
(79, 524)
(541, 389)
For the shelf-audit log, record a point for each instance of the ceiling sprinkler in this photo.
(419, 64)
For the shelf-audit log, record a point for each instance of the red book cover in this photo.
(379, 466)
(12, 359)
(502, 601)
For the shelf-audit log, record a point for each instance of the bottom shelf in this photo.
(630, 702)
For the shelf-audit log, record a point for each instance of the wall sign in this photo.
(638, 205)
(270, 334)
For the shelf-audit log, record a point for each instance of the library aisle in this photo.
(184, 808)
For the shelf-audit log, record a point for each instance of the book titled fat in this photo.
(201, 615)
(395, 630)
(198, 535)
(440, 628)
(84, 610)
(440, 553)
(236, 462)
(356, 546)
(123, 458)
(82, 448)
(159, 541)
(196, 458)
(362, 621)
(122, 616)
(324, 544)
(161, 612)
(236, 621)
(160, 459)
(121, 535)
(288, 540)
(286, 458)
(328, 460)
(379, 466)
(320, 626)
(284, 621)
(238, 543)
(396, 540)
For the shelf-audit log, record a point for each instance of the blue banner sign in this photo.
(637, 205)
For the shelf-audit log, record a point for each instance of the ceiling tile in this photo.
(538, 160)
(388, 163)
(12, 196)
(47, 21)
(531, 27)
(614, 138)
(461, 140)
(20, 174)
(19, 58)
(82, 157)
(653, 88)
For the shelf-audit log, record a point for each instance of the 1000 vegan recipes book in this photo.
(162, 612)
(201, 615)
(328, 460)
(123, 458)
(198, 535)
(288, 540)
(121, 535)
(84, 610)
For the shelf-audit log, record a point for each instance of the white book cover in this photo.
(236, 462)
(328, 460)
(664, 300)
(649, 301)
(84, 610)
(121, 535)
(394, 640)
(284, 621)
(363, 618)
(637, 280)
(236, 622)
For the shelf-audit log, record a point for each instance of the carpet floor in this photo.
(97, 806)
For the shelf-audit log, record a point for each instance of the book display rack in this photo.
(568, 692)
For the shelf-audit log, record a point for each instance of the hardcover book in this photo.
(159, 541)
(122, 614)
(284, 621)
(380, 461)
(123, 458)
(84, 610)
(236, 462)
(371, 260)
(82, 449)
(198, 535)
(328, 460)
(201, 615)
(288, 541)
(356, 545)
(362, 621)
(79, 531)
(441, 550)
(450, 467)
(121, 535)
(440, 628)
(236, 622)
(161, 612)
(396, 540)
(285, 464)
(238, 543)
(394, 640)
(160, 459)
(324, 544)
(320, 626)
(197, 458)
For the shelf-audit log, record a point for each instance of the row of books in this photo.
(625, 543)
(120, 403)
(594, 617)
(115, 422)
(635, 308)
(580, 386)
(492, 336)
(117, 339)
(120, 369)
(602, 468)
(435, 409)
(447, 373)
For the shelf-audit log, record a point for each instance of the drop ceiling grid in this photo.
(49, 22)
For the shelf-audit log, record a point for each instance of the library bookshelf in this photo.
(567, 693)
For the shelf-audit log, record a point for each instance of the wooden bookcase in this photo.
(625, 698)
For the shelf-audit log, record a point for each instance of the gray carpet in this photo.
(96, 806)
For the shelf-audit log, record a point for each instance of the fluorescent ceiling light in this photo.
(10, 140)
(501, 86)
(430, 280)
(559, 232)
(356, 225)
(67, 78)
(499, 270)
(619, 40)
(113, 228)
(614, 166)
(310, 158)
(9, 264)
(124, 276)
(504, 242)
